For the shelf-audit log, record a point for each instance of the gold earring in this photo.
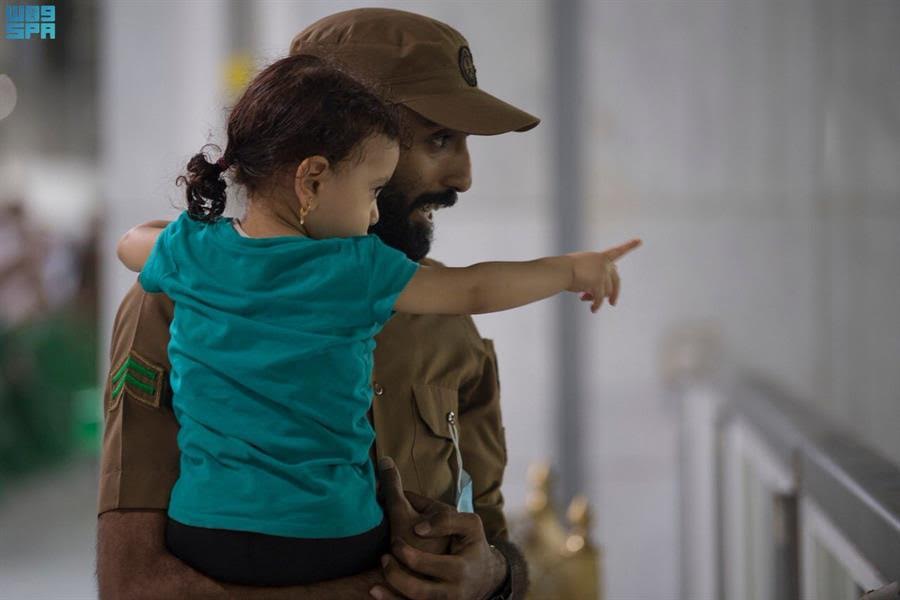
(303, 212)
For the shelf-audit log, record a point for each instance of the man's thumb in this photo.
(391, 485)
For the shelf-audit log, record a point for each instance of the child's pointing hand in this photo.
(594, 274)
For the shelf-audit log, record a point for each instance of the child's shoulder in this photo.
(186, 235)
(185, 220)
(186, 225)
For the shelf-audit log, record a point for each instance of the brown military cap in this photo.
(415, 61)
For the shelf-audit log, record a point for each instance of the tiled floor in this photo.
(47, 531)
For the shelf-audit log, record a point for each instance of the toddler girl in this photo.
(275, 315)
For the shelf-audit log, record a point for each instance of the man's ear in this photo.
(308, 179)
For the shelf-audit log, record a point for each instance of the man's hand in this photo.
(471, 571)
(401, 514)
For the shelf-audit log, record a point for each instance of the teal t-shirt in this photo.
(271, 353)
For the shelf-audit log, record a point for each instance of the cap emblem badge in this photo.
(467, 66)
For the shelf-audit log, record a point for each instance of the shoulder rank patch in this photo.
(143, 380)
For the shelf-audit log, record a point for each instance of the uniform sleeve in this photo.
(139, 459)
(160, 264)
(390, 271)
(483, 443)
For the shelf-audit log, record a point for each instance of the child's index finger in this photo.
(620, 251)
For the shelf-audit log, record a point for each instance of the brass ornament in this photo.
(562, 560)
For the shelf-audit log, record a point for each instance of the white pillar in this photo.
(161, 97)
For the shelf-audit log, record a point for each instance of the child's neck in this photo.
(261, 222)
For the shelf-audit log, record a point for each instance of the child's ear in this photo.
(308, 179)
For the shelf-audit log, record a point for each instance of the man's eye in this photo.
(441, 140)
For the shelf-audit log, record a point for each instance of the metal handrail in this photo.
(856, 487)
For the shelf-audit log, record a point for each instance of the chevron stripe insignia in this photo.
(140, 378)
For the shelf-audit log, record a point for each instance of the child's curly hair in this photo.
(296, 107)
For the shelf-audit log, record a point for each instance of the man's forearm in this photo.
(518, 568)
(133, 563)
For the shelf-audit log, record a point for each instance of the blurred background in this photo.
(731, 425)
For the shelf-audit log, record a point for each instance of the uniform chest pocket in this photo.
(433, 452)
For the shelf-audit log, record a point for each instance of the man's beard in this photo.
(397, 229)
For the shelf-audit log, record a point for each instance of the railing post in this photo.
(787, 548)
(689, 365)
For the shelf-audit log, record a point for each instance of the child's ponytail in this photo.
(205, 187)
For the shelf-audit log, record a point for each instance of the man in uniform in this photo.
(436, 405)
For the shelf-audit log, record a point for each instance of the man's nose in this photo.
(459, 170)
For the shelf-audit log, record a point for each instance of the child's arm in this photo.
(495, 286)
(134, 247)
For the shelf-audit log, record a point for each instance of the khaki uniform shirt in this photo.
(426, 367)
